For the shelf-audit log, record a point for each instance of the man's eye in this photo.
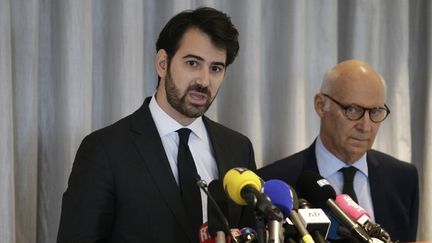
(216, 69)
(354, 109)
(376, 112)
(192, 63)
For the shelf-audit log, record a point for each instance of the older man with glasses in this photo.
(351, 106)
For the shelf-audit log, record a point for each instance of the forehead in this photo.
(195, 42)
(362, 88)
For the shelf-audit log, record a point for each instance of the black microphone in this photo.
(218, 226)
(217, 208)
(319, 191)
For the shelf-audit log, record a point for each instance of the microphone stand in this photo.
(260, 228)
(272, 215)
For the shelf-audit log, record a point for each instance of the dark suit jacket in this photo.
(121, 188)
(393, 184)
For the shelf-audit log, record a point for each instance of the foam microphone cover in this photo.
(238, 178)
(315, 188)
(215, 221)
(280, 194)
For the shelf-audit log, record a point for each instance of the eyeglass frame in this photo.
(346, 107)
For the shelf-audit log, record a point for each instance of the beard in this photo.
(179, 102)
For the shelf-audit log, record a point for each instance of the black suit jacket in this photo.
(121, 188)
(393, 184)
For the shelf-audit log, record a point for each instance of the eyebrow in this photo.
(202, 59)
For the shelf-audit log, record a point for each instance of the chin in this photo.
(194, 112)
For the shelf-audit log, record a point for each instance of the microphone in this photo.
(315, 220)
(217, 208)
(319, 192)
(280, 194)
(204, 236)
(236, 236)
(249, 235)
(357, 213)
(244, 187)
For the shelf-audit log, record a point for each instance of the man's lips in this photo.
(197, 97)
(360, 139)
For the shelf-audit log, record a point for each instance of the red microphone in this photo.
(352, 209)
(357, 213)
(204, 235)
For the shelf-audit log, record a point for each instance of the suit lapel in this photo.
(377, 188)
(310, 161)
(223, 161)
(221, 155)
(150, 146)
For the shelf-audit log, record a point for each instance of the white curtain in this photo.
(68, 67)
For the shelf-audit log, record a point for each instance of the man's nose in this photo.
(204, 77)
(365, 123)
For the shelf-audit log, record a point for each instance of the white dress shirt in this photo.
(329, 166)
(199, 145)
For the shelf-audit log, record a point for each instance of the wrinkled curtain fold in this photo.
(70, 67)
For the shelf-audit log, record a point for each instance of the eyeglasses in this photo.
(355, 112)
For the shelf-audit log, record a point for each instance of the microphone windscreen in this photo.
(315, 188)
(236, 179)
(280, 195)
(215, 221)
(352, 208)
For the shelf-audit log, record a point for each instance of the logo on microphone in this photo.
(323, 182)
(203, 233)
(314, 214)
(351, 203)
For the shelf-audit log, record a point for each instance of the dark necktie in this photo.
(187, 175)
(348, 186)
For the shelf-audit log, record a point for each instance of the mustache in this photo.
(199, 88)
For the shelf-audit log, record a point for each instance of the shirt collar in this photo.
(165, 124)
(329, 164)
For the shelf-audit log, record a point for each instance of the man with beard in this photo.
(127, 184)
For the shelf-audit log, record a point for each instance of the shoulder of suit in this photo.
(390, 161)
(116, 130)
(218, 128)
(285, 168)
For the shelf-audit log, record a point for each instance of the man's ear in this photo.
(162, 63)
(319, 104)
